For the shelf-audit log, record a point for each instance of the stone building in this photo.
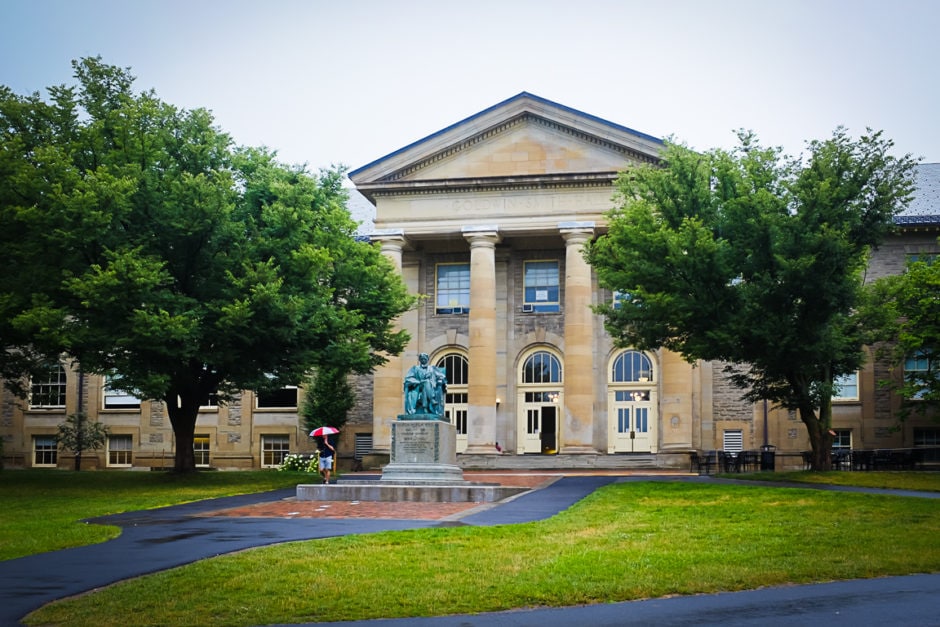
(487, 219)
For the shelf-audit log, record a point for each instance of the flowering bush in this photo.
(300, 463)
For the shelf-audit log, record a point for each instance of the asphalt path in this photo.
(156, 540)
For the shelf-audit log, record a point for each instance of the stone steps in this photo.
(633, 461)
(352, 490)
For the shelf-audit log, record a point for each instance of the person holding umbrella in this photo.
(326, 450)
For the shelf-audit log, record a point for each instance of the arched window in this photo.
(541, 367)
(455, 365)
(632, 367)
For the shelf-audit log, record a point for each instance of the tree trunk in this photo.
(183, 413)
(819, 436)
(79, 431)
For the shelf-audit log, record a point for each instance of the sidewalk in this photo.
(156, 540)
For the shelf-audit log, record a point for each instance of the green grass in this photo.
(43, 509)
(895, 480)
(626, 541)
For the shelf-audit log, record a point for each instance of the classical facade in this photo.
(487, 219)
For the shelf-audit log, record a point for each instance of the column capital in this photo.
(483, 235)
(391, 240)
(576, 232)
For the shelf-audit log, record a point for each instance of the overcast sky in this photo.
(349, 81)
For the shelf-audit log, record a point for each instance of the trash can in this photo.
(768, 457)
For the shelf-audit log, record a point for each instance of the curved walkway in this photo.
(155, 540)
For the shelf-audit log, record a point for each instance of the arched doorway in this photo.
(456, 367)
(540, 403)
(632, 400)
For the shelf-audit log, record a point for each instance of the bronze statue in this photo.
(425, 386)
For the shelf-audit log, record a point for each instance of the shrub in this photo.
(300, 463)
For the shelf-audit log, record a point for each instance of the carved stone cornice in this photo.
(490, 184)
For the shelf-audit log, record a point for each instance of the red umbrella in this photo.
(319, 432)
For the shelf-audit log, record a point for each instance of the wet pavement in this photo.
(156, 540)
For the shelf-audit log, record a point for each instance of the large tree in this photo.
(152, 250)
(754, 259)
(903, 314)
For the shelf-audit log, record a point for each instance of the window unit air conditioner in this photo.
(528, 308)
(458, 310)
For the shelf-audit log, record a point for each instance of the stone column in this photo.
(481, 410)
(387, 395)
(578, 426)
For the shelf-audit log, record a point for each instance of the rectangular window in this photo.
(541, 397)
(842, 439)
(120, 450)
(48, 389)
(118, 399)
(453, 288)
(928, 258)
(621, 297)
(285, 398)
(929, 438)
(274, 448)
(45, 450)
(918, 373)
(845, 387)
(541, 287)
(210, 402)
(201, 450)
(733, 441)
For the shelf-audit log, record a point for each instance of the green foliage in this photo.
(753, 259)
(328, 399)
(78, 434)
(185, 266)
(903, 312)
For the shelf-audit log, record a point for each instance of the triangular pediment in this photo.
(525, 136)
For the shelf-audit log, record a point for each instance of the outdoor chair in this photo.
(840, 460)
(701, 463)
(863, 460)
(807, 459)
(748, 461)
(730, 462)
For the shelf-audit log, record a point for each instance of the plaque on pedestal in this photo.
(423, 451)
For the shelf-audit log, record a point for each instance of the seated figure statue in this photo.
(424, 388)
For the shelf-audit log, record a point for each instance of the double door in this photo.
(539, 422)
(632, 421)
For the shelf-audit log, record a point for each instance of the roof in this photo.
(361, 210)
(479, 122)
(924, 208)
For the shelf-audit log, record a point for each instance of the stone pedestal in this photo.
(424, 449)
(423, 468)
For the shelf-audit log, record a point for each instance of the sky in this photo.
(345, 82)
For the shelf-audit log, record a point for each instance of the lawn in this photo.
(626, 541)
(894, 480)
(42, 509)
